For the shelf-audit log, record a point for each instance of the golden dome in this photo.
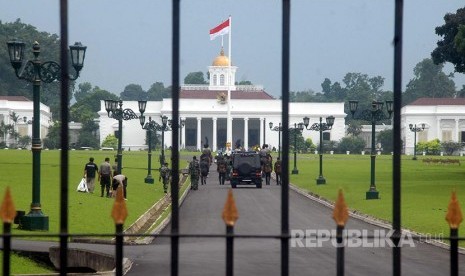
(221, 60)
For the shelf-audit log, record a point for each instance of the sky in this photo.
(129, 41)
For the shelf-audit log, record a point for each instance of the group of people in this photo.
(108, 176)
(198, 170)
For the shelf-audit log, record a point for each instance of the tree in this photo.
(245, 82)
(450, 147)
(53, 139)
(158, 92)
(449, 48)
(385, 138)
(83, 90)
(24, 141)
(10, 85)
(110, 141)
(352, 144)
(354, 128)
(429, 81)
(133, 92)
(195, 78)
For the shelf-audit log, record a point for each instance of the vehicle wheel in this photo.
(233, 185)
(259, 185)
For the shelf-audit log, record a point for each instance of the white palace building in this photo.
(205, 110)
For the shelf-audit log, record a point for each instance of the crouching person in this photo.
(120, 179)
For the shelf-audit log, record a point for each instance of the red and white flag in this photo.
(221, 29)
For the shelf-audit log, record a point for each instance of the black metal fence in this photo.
(229, 235)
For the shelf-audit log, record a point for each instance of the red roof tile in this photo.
(15, 98)
(235, 95)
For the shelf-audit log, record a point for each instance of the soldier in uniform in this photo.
(277, 171)
(221, 167)
(194, 172)
(165, 174)
(267, 168)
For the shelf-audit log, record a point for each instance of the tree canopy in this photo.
(429, 81)
(195, 78)
(10, 85)
(452, 46)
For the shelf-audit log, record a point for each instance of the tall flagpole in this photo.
(229, 119)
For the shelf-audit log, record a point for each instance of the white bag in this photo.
(82, 187)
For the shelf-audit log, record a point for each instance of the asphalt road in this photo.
(259, 213)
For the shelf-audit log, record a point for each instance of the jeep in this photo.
(246, 169)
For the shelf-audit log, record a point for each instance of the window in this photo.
(446, 135)
(326, 136)
(215, 80)
(221, 79)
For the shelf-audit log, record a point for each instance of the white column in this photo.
(262, 131)
(246, 133)
(457, 130)
(199, 133)
(214, 146)
(438, 129)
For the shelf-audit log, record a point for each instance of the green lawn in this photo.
(426, 189)
(88, 213)
(24, 265)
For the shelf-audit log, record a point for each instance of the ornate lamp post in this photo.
(320, 127)
(115, 110)
(415, 129)
(297, 127)
(36, 72)
(278, 129)
(149, 126)
(375, 114)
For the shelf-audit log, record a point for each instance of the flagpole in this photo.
(229, 119)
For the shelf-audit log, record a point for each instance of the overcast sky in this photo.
(129, 41)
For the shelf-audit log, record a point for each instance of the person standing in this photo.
(267, 168)
(165, 174)
(221, 167)
(105, 177)
(204, 170)
(194, 172)
(120, 179)
(277, 171)
(90, 170)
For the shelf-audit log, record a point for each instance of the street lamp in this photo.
(320, 127)
(415, 129)
(375, 114)
(297, 127)
(36, 72)
(149, 126)
(120, 114)
(278, 129)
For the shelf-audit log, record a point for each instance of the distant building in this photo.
(444, 119)
(23, 107)
(204, 108)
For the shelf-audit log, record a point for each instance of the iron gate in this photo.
(175, 234)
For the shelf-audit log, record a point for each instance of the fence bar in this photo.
(396, 166)
(229, 251)
(174, 152)
(340, 251)
(6, 248)
(285, 122)
(119, 249)
(454, 252)
(64, 136)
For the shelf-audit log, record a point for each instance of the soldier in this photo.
(165, 174)
(277, 171)
(221, 167)
(194, 172)
(267, 163)
(204, 170)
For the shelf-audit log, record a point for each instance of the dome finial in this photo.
(221, 60)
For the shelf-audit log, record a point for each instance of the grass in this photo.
(426, 189)
(87, 213)
(24, 265)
